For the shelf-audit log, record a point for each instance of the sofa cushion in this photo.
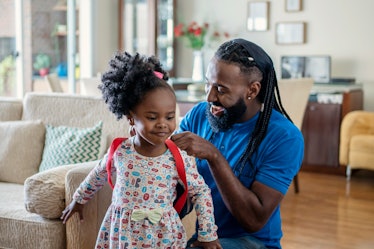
(10, 109)
(21, 229)
(45, 192)
(361, 152)
(21, 144)
(74, 110)
(68, 145)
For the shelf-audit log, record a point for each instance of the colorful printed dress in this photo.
(141, 214)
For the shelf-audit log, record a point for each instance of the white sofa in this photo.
(32, 201)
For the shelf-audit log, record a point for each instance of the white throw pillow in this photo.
(21, 144)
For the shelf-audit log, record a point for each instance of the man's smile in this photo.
(217, 110)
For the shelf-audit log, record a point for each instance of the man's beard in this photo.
(230, 116)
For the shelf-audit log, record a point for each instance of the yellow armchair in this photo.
(357, 141)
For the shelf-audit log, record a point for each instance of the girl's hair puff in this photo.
(128, 79)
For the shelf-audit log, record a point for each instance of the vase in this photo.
(198, 66)
(43, 71)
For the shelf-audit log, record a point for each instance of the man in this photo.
(247, 149)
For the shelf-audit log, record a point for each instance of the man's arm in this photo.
(251, 207)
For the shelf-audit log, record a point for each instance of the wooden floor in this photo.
(329, 212)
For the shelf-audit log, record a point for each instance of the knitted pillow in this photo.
(21, 148)
(45, 192)
(69, 145)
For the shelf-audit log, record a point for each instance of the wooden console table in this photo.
(321, 126)
(186, 100)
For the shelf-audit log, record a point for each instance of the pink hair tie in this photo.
(158, 74)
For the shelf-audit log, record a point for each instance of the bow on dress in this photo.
(153, 215)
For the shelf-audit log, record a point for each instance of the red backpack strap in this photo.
(181, 172)
(113, 147)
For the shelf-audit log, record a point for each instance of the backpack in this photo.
(181, 205)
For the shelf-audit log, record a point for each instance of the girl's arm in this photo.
(200, 192)
(86, 190)
(93, 182)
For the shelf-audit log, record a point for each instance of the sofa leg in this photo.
(348, 172)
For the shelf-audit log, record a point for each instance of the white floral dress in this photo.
(147, 186)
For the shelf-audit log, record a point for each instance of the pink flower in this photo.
(178, 30)
(195, 34)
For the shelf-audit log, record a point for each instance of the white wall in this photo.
(107, 33)
(339, 28)
(98, 35)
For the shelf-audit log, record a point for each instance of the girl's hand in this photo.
(73, 207)
(207, 245)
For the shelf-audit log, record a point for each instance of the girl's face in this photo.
(154, 118)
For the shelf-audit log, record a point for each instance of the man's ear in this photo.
(253, 89)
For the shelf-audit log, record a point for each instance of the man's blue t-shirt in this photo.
(275, 163)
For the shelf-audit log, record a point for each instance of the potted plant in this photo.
(42, 64)
(7, 68)
(196, 36)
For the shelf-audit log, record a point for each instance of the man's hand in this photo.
(207, 245)
(196, 146)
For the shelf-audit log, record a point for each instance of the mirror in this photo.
(146, 26)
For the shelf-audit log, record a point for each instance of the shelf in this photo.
(189, 97)
(334, 88)
(59, 7)
(65, 33)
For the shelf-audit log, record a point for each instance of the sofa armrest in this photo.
(84, 234)
(354, 123)
(44, 192)
(189, 223)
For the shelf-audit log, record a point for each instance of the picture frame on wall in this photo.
(317, 67)
(293, 5)
(290, 33)
(258, 16)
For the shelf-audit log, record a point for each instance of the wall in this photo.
(99, 39)
(107, 36)
(339, 28)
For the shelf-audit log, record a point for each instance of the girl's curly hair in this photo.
(128, 79)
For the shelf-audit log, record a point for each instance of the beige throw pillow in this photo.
(45, 192)
(21, 144)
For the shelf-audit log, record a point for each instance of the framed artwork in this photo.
(317, 67)
(290, 33)
(258, 16)
(293, 5)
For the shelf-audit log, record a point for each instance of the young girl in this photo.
(146, 174)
